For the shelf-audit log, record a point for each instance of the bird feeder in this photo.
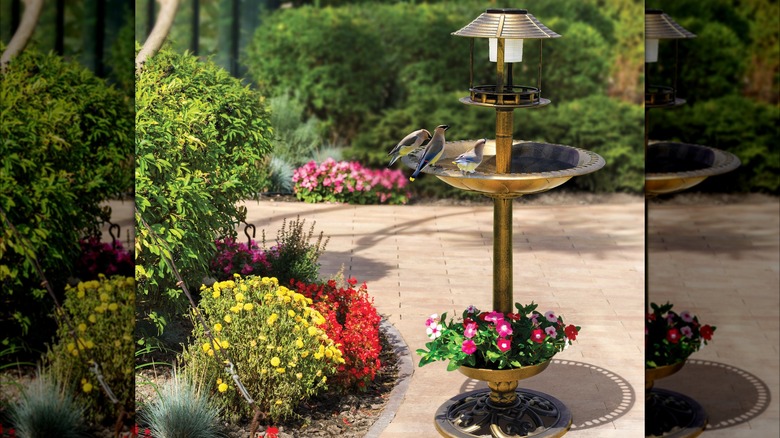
(509, 169)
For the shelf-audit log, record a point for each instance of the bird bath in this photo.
(534, 167)
(672, 167)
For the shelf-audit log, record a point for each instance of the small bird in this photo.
(469, 161)
(409, 144)
(432, 152)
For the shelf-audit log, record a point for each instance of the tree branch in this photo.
(32, 10)
(160, 31)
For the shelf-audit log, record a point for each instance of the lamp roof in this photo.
(506, 23)
(660, 26)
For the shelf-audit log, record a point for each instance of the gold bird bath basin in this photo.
(672, 167)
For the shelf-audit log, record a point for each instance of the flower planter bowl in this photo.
(653, 374)
(502, 383)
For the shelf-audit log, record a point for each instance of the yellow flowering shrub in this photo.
(102, 312)
(274, 340)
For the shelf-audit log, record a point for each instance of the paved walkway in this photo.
(587, 262)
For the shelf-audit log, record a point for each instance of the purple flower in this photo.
(551, 332)
(550, 315)
(686, 316)
(686, 331)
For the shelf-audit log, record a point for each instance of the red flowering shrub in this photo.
(352, 322)
(103, 258)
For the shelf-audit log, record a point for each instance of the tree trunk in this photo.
(32, 10)
(160, 31)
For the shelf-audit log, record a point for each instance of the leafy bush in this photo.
(742, 126)
(181, 411)
(103, 314)
(349, 182)
(293, 256)
(272, 335)
(352, 321)
(201, 139)
(48, 409)
(66, 147)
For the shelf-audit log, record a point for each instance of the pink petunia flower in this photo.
(538, 335)
(551, 332)
(503, 328)
(470, 330)
(550, 315)
(469, 347)
(686, 316)
(504, 344)
(687, 332)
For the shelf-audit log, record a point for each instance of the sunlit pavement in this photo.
(587, 262)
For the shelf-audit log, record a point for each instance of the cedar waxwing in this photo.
(409, 144)
(432, 152)
(467, 162)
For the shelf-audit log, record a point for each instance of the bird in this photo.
(469, 161)
(432, 152)
(409, 144)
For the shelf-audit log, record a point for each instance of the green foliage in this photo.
(295, 141)
(103, 315)
(611, 128)
(201, 140)
(181, 411)
(742, 126)
(66, 148)
(47, 409)
(295, 256)
(272, 337)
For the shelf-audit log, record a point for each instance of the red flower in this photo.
(504, 344)
(271, 432)
(538, 335)
(514, 316)
(673, 336)
(352, 281)
(571, 332)
(706, 332)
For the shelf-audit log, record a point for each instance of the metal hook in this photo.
(246, 232)
(231, 369)
(96, 371)
(114, 238)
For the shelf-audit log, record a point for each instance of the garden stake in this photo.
(230, 367)
(60, 311)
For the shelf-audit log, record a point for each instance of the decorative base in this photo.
(670, 414)
(473, 414)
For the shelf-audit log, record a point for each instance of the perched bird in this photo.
(432, 152)
(469, 161)
(409, 144)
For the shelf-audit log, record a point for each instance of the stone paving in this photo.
(588, 263)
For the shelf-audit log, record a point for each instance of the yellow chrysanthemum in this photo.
(236, 309)
(228, 319)
(272, 319)
(113, 306)
(217, 327)
(299, 343)
(291, 313)
(240, 297)
(92, 318)
(82, 327)
(87, 387)
(215, 294)
(299, 375)
(222, 387)
(275, 361)
(224, 344)
(313, 331)
(280, 370)
(104, 297)
(248, 306)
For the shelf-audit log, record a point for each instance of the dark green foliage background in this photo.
(66, 148)
(374, 72)
(201, 138)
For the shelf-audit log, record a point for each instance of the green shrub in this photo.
(102, 313)
(181, 411)
(201, 142)
(47, 409)
(295, 256)
(66, 148)
(273, 338)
